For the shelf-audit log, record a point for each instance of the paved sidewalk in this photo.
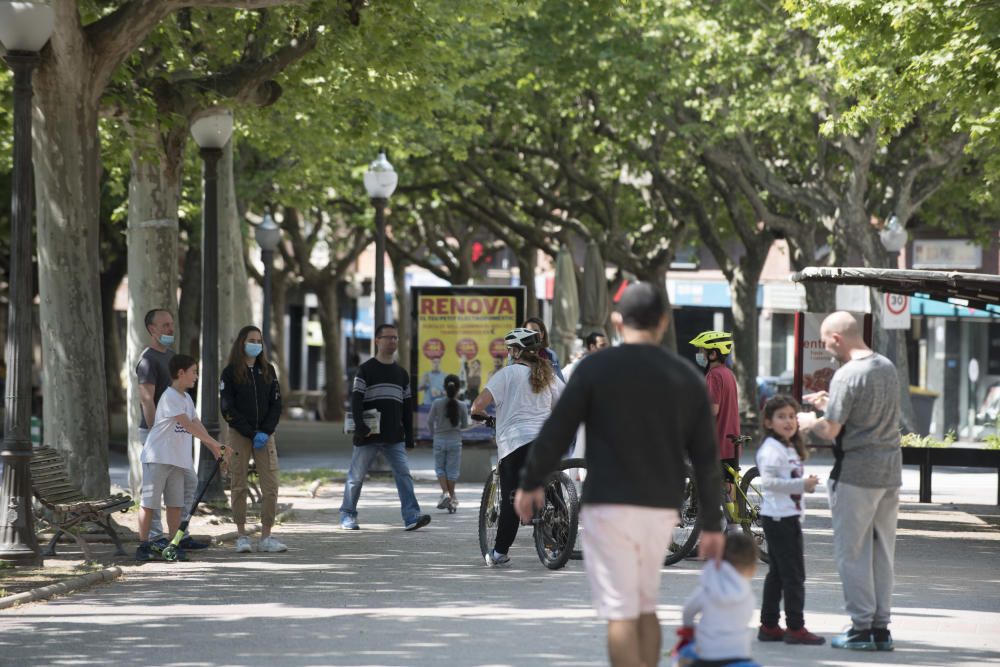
(382, 596)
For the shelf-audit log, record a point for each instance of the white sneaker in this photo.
(496, 559)
(443, 501)
(243, 545)
(270, 545)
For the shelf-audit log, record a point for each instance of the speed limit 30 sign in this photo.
(895, 311)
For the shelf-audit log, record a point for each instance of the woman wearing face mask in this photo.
(250, 400)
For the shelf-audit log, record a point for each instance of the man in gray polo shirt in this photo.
(153, 372)
(862, 415)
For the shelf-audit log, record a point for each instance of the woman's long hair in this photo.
(451, 384)
(774, 404)
(237, 358)
(541, 370)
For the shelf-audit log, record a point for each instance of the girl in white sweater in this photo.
(779, 460)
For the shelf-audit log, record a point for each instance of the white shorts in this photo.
(624, 547)
(162, 480)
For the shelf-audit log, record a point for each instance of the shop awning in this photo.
(973, 290)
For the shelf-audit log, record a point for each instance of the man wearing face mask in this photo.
(714, 348)
(153, 372)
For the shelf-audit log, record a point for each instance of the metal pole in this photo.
(209, 376)
(354, 328)
(268, 257)
(17, 531)
(380, 204)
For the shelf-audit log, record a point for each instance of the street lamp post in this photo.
(268, 236)
(25, 27)
(380, 183)
(894, 237)
(211, 130)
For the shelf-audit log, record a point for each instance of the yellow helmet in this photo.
(714, 340)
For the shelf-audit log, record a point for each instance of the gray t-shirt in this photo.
(441, 427)
(153, 368)
(864, 399)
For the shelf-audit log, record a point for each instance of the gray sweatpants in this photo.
(864, 548)
(190, 488)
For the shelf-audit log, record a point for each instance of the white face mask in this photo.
(700, 359)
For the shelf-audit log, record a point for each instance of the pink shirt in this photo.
(722, 392)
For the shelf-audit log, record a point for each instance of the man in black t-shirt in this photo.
(383, 385)
(645, 411)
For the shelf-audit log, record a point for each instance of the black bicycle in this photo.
(555, 524)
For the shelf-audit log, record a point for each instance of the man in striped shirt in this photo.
(383, 385)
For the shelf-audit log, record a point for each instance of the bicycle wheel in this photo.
(751, 500)
(489, 513)
(556, 524)
(570, 464)
(685, 535)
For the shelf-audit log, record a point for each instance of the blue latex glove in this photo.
(260, 440)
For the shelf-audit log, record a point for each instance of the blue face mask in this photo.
(166, 340)
(252, 349)
(700, 359)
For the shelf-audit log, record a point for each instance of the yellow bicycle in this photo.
(742, 511)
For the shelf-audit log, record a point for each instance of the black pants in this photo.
(510, 478)
(787, 576)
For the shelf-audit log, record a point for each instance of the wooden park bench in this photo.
(67, 505)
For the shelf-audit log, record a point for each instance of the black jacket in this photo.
(250, 407)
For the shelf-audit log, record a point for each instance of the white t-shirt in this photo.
(781, 480)
(520, 411)
(168, 441)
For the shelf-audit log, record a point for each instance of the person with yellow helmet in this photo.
(714, 348)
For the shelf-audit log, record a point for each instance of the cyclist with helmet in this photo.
(714, 348)
(524, 393)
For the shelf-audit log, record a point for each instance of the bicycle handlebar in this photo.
(489, 420)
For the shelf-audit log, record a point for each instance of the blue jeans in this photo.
(361, 461)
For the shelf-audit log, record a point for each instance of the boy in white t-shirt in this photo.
(167, 453)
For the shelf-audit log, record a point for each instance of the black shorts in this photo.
(732, 463)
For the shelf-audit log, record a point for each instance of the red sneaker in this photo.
(803, 636)
(766, 634)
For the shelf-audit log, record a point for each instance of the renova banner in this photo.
(459, 330)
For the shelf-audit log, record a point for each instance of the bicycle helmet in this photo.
(525, 339)
(714, 340)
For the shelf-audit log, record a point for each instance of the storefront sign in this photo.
(459, 330)
(946, 254)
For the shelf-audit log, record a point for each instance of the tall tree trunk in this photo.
(67, 167)
(153, 197)
(235, 309)
(189, 310)
(403, 322)
(745, 340)
(329, 321)
(527, 262)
